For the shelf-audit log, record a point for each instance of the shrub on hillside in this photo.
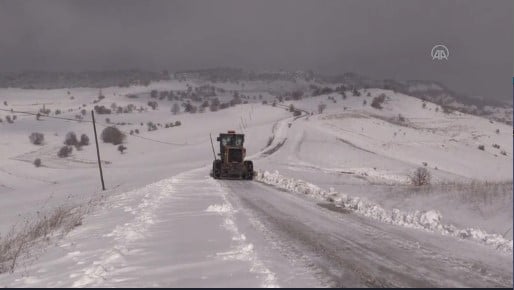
(84, 140)
(65, 151)
(37, 162)
(151, 126)
(121, 148)
(420, 177)
(378, 101)
(101, 110)
(481, 147)
(71, 139)
(37, 138)
(112, 135)
(153, 104)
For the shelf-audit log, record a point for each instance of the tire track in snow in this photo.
(244, 250)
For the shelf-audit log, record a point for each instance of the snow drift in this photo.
(429, 220)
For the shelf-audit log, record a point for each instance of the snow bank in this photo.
(219, 208)
(429, 220)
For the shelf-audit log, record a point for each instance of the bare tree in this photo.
(321, 107)
(175, 109)
(421, 176)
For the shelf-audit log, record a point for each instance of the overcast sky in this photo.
(377, 38)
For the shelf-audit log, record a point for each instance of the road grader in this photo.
(231, 164)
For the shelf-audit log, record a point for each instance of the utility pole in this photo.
(243, 122)
(98, 150)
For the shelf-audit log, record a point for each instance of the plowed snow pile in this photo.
(429, 220)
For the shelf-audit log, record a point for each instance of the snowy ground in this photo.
(164, 222)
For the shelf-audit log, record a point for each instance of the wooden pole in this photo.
(98, 150)
(213, 152)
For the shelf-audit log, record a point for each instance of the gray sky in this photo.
(377, 38)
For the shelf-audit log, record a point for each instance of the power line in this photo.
(159, 141)
(47, 116)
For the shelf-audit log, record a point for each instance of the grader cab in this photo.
(231, 164)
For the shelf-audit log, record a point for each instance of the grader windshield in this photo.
(232, 140)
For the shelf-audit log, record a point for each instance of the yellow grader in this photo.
(231, 164)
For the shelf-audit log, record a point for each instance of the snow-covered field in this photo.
(352, 154)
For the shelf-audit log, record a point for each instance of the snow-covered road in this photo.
(347, 250)
(183, 234)
(194, 231)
